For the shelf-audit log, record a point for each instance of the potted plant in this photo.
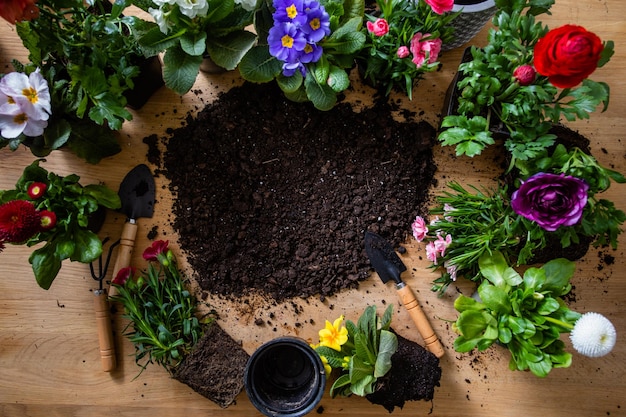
(369, 359)
(472, 17)
(89, 62)
(45, 207)
(523, 81)
(167, 328)
(309, 52)
(554, 203)
(527, 315)
(403, 41)
(189, 31)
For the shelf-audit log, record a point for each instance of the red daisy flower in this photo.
(19, 221)
(48, 219)
(36, 190)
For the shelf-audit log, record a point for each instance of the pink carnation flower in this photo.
(425, 51)
(403, 52)
(379, 28)
(420, 230)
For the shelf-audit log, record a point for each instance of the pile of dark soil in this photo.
(273, 196)
(413, 376)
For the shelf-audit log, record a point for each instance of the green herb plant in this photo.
(84, 51)
(74, 206)
(524, 314)
(365, 357)
(491, 96)
(163, 326)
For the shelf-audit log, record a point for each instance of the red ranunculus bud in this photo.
(525, 74)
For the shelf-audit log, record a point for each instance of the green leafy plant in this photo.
(308, 69)
(84, 51)
(403, 41)
(188, 31)
(527, 315)
(163, 326)
(63, 208)
(524, 81)
(365, 354)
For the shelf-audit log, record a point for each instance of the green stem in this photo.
(561, 323)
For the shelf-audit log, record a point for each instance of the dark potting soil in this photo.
(273, 196)
(413, 376)
(215, 369)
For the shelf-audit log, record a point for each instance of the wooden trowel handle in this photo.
(125, 250)
(105, 332)
(431, 341)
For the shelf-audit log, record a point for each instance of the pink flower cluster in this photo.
(435, 248)
(424, 50)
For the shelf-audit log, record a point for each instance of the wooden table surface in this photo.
(49, 359)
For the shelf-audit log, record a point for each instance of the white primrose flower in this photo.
(24, 104)
(29, 93)
(160, 19)
(193, 8)
(14, 123)
(593, 335)
(247, 4)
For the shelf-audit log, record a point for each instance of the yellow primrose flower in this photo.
(334, 335)
(327, 367)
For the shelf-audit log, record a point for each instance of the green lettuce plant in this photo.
(363, 354)
(527, 315)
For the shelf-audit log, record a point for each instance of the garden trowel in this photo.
(389, 266)
(137, 194)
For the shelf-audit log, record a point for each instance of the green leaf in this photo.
(495, 268)
(321, 95)
(258, 66)
(103, 195)
(290, 84)
(46, 265)
(180, 70)
(228, 51)
(464, 303)
(495, 298)
(193, 44)
(472, 323)
(558, 274)
(338, 79)
(88, 246)
(387, 347)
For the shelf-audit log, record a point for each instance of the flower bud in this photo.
(525, 74)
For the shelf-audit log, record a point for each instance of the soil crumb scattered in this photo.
(274, 196)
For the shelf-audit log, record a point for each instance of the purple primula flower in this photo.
(318, 22)
(286, 42)
(289, 11)
(551, 200)
(311, 53)
(290, 68)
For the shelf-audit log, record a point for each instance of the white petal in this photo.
(593, 335)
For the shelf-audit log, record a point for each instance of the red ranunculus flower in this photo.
(440, 6)
(48, 219)
(36, 190)
(567, 55)
(525, 74)
(19, 221)
(17, 10)
(158, 247)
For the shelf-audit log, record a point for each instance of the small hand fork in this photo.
(103, 312)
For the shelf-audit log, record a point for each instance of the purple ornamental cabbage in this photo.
(551, 200)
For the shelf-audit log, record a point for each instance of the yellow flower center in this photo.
(31, 94)
(287, 41)
(292, 12)
(315, 24)
(20, 118)
(308, 49)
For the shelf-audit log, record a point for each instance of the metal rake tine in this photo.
(102, 270)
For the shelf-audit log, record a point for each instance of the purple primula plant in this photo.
(310, 47)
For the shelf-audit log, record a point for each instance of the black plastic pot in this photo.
(285, 378)
(474, 15)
